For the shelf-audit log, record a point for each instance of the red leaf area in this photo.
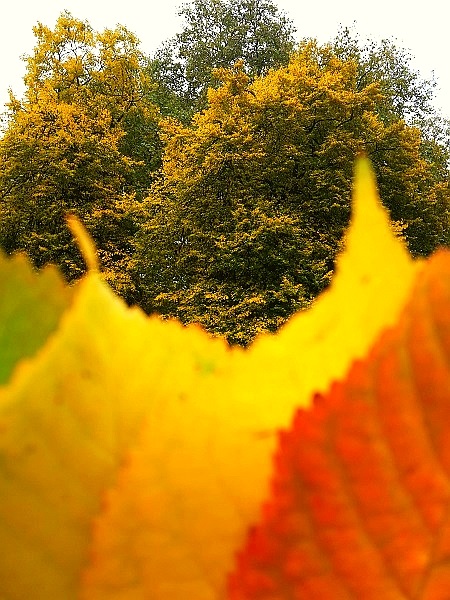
(361, 492)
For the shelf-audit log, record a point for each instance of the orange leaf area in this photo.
(360, 497)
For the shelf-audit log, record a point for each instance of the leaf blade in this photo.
(361, 492)
(199, 403)
(31, 305)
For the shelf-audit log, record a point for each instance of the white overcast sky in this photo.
(421, 27)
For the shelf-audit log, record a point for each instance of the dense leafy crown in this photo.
(215, 177)
(246, 220)
(216, 34)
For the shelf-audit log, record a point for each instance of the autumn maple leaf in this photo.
(360, 497)
(135, 454)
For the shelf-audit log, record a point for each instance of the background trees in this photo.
(226, 205)
(406, 95)
(55, 158)
(217, 33)
(84, 138)
(246, 220)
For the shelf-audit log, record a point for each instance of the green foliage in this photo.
(216, 34)
(31, 306)
(405, 94)
(245, 223)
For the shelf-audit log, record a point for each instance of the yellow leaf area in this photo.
(135, 453)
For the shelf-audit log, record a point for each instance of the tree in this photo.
(247, 217)
(99, 71)
(85, 139)
(56, 158)
(405, 93)
(217, 33)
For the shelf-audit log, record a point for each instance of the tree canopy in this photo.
(245, 222)
(215, 177)
(216, 34)
(84, 139)
(99, 71)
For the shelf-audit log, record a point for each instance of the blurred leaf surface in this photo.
(360, 496)
(31, 305)
(135, 453)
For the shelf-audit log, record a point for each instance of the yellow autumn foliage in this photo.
(135, 452)
(254, 194)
